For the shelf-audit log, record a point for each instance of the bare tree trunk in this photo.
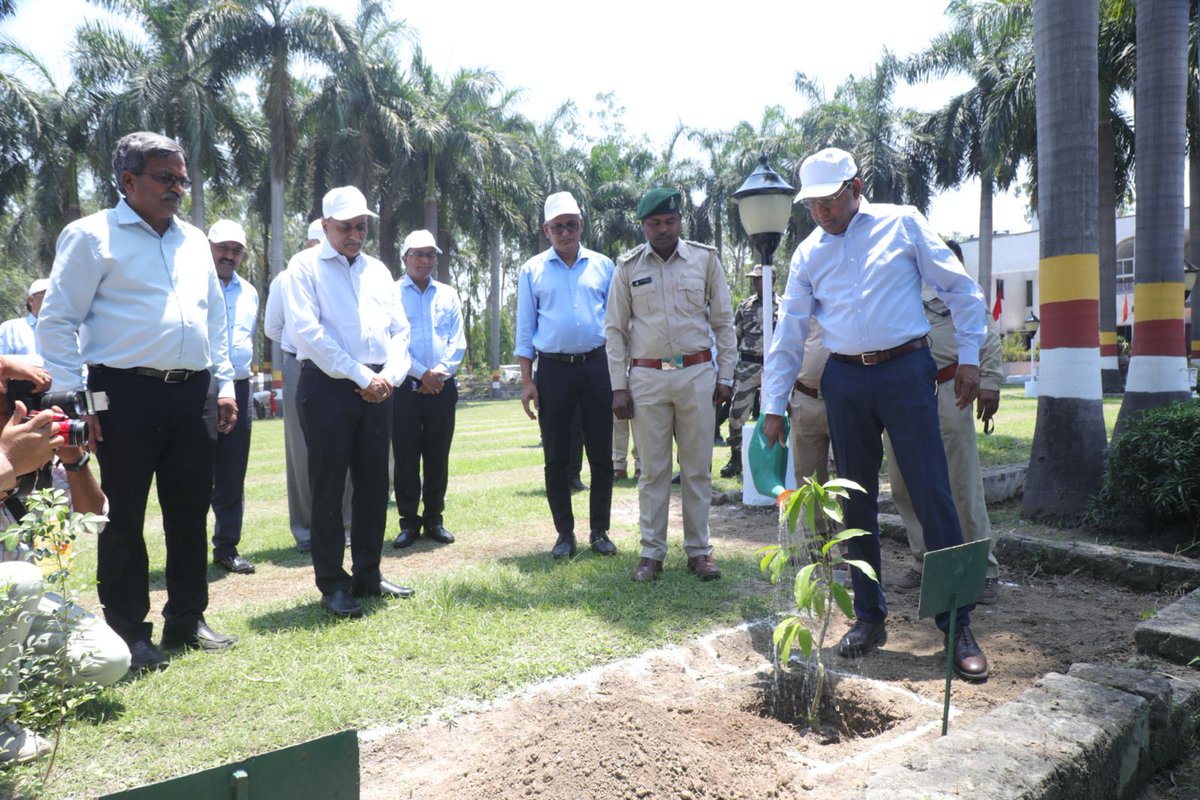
(494, 311)
(1110, 370)
(987, 191)
(1194, 245)
(196, 173)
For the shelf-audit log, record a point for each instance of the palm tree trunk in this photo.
(494, 310)
(1158, 367)
(1110, 371)
(1069, 438)
(431, 215)
(1194, 243)
(987, 191)
(277, 262)
(196, 173)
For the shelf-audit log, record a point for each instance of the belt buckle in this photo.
(576, 358)
(670, 363)
(175, 376)
(869, 359)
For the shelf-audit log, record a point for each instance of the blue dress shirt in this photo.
(123, 296)
(241, 317)
(344, 317)
(864, 287)
(561, 309)
(435, 315)
(18, 337)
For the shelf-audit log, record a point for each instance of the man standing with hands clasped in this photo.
(423, 408)
(351, 337)
(859, 274)
(667, 295)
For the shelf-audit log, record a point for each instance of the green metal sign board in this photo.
(952, 577)
(326, 767)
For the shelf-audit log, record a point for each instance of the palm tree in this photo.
(263, 38)
(162, 81)
(1069, 437)
(1194, 172)
(1158, 368)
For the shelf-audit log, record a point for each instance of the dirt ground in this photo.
(692, 721)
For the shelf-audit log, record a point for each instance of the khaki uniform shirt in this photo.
(945, 348)
(660, 309)
(815, 356)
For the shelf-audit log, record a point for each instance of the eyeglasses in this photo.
(559, 228)
(168, 179)
(426, 255)
(824, 203)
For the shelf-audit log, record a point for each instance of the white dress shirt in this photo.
(18, 337)
(123, 296)
(345, 317)
(241, 317)
(275, 315)
(437, 336)
(864, 287)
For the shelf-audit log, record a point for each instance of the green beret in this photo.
(660, 201)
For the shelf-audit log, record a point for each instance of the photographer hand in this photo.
(19, 369)
(29, 444)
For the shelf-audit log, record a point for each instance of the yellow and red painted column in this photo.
(1070, 330)
(1159, 357)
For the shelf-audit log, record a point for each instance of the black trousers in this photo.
(344, 431)
(165, 432)
(563, 390)
(422, 430)
(229, 477)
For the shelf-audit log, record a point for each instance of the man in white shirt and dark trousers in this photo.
(135, 298)
(351, 337)
(228, 242)
(859, 274)
(423, 406)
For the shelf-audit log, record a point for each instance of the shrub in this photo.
(1012, 348)
(1152, 475)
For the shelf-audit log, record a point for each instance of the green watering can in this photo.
(769, 463)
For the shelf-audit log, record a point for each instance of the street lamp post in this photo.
(765, 208)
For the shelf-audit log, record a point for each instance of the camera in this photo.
(73, 404)
(73, 431)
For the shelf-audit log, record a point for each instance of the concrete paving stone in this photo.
(1143, 572)
(1065, 739)
(1174, 634)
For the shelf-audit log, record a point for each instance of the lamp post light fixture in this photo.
(1032, 323)
(1189, 277)
(765, 208)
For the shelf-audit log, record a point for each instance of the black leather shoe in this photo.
(383, 589)
(145, 657)
(565, 546)
(406, 538)
(304, 546)
(577, 485)
(201, 637)
(862, 639)
(341, 604)
(675, 479)
(970, 663)
(236, 564)
(602, 545)
(439, 534)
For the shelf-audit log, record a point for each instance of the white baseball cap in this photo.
(419, 239)
(561, 203)
(316, 231)
(40, 285)
(226, 230)
(345, 202)
(824, 172)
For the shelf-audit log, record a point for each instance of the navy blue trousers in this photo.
(898, 396)
(229, 477)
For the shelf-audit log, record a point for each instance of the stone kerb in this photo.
(1173, 634)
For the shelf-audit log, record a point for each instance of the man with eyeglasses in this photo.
(562, 294)
(134, 298)
(859, 274)
(669, 301)
(351, 337)
(424, 404)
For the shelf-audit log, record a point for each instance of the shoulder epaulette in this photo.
(628, 254)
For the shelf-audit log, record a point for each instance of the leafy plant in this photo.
(45, 700)
(1152, 474)
(1013, 348)
(812, 509)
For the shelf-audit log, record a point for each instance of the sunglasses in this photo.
(824, 203)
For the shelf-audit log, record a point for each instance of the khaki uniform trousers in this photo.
(810, 437)
(966, 480)
(679, 402)
(620, 446)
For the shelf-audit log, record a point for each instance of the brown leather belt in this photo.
(689, 360)
(946, 373)
(808, 390)
(880, 356)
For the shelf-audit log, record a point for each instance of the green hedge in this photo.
(1152, 474)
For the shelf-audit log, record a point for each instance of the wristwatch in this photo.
(725, 382)
(78, 466)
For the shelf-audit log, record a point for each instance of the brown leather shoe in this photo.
(647, 570)
(970, 663)
(620, 474)
(704, 568)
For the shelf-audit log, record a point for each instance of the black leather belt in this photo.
(880, 356)
(308, 363)
(750, 358)
(572, 358)
(164, 375)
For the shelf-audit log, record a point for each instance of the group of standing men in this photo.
(147, 309)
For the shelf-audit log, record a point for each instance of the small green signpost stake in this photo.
(952, 577)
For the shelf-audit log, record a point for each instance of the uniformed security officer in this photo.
(665, 294)
(747, 376)
(957, 427)
(810, 427)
